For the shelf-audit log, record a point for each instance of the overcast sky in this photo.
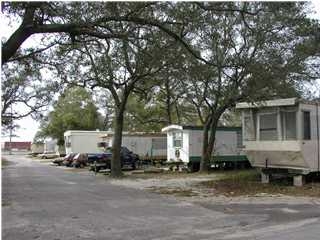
(28, 126)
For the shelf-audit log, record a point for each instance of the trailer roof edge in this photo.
(190, 127)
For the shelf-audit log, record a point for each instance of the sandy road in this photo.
(49, 203)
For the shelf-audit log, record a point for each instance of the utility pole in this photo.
(10, 132)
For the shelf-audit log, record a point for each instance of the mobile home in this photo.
(146, 145)
(184, 143)
(50, 148)
(282, 135)
(37, 148)
(77, 141)
(50, 145)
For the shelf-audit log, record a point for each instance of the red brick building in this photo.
(18, 146)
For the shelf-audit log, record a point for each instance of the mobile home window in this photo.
(239, 139)
(177, 139)
(67, 141)
(249, 128)
(268, 127)
(306, 125)
(289, 127)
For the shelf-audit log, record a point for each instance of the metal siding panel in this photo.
(309, 147)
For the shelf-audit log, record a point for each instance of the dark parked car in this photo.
(103, 160)
(98, 157)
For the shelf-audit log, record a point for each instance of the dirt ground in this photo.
(239, 186)
(52, 203)
(223, 187)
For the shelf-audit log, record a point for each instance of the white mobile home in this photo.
(50, 145)
(37, 148)
(77, 141)
(282, 134)
(184, 143)
(150, 145)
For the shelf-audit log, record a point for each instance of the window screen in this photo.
(249, 129)
(239, 139)
(177, 139)
(102, 144)
(306, 126)
(289, 127)
(268, 127)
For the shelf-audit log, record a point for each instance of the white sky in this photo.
(28, 126)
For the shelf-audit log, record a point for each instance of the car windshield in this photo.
(108, 150)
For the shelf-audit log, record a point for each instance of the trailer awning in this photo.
(171, 128)
(269, 103)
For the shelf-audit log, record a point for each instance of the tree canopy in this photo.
(74, 110)
(171, 62)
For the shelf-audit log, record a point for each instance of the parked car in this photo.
(98, 157)
(103, 160)
(67, 158)
(49, 155)
(80, 160)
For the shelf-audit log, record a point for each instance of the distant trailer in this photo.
(184, 144)
(78, 141)
(149, 146)
(37, 148)
(50, 145)
(282, 136)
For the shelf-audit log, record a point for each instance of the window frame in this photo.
(252, 119)
(263, 113)
(175, 139)
(303, 136)
(67, 141)
(284, 124)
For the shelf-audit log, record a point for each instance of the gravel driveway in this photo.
(49, 203)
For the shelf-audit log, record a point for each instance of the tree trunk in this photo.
(178, 114)
(116, 145)
(209, 138)
(168, 102)
(205, 159)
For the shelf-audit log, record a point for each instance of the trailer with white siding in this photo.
(184, 144)
(78, 141)
(149, 146)
(282, 136)
(37, 148)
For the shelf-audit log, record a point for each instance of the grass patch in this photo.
(5, 162)
(178, 192)
(5, 204)
(165, 175)
(248, 183)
